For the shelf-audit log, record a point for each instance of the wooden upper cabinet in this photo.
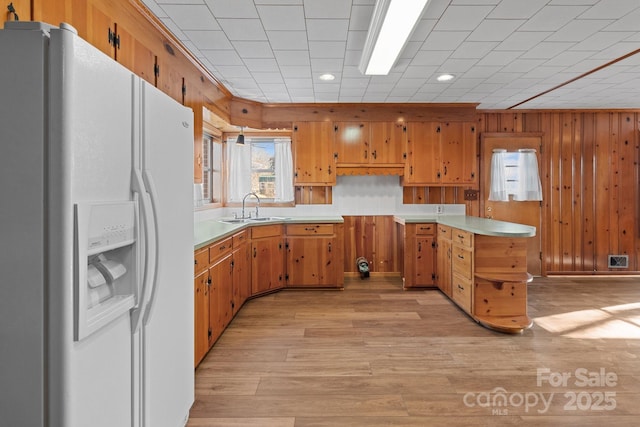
(117, 42)
(134, 55)
(441, 154)
(369, 143)
(313, 155)
(352, 142)
(387, 143)
(423, 153)
(458, 152)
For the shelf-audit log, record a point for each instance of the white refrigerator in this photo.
(96, 220)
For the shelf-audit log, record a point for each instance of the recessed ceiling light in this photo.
(327, 77)
(445, 77)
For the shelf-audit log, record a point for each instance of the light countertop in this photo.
(208, 231)
(476, 225)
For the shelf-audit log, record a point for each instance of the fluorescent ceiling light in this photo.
(391, 25)
(327, 77)
(445, 77)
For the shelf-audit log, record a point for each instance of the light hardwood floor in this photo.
(375, 355)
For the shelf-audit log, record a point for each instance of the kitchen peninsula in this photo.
(480, 264)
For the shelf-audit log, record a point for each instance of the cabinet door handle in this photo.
(255, 252)
(374, 154)
(460, 236)
(461, 287)
(329, 245)
(309, 229)
(329, 169)
(365, 154)
(419, 246)
(460, 256)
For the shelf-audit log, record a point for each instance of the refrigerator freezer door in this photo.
(167, 334)
(91, 131)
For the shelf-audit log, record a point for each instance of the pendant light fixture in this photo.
(240, 139)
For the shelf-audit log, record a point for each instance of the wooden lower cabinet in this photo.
(443, 259)
(314, 255)
(222, 284)
(419, 258)
(201, 305)
(267, 258)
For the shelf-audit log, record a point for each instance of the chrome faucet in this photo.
(257, 206)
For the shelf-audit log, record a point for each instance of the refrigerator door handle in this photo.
(153, 196)
(150, 250)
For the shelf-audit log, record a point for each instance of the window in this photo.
(211, 169)
(515, 174)
(263, 165)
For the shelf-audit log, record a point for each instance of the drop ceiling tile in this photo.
(577, 31)
(495, 30)
(155, 8)
(262, 65)
(482, 71)
(422, 30)
(282, 17)
(517, 9)
(629, 22)
(500, 58)
(419, 71)
(234, 71)
(522, 65)
(253, 49)
(546, 50)
(523, 40)
(328, 49)
(288, 40)
(356, 39)
(430, 57)
(295, 71)
(209, 40)
(171, 26)
(278, 2)
(265, 78)
(233, 9)
(360, 17)
(444, 40)
(552, 18)
(327, 29)
(568, 58)
(191, 17)
(292, 57)
(462, 18)
(457, 65)
(610, 9)
(330, 65)
(352, 58)
(243, 29)
(327, 8)
(473, 49)
(298, 83)
(222, 57)
(602, 40)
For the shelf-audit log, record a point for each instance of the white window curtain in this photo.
(283, 171)
(498, 186)
(238, 170)
(529, 186)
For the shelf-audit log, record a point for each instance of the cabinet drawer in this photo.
(444, 231)
(200, 260)
(425, 229)
(461, 292)
(266, 231)
(240, 238)
(220, 249)
(462, 237)
(462, 259)
(309, 229)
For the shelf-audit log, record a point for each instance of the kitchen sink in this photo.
(262, 218)
(233, 221)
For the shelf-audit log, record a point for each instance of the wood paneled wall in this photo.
(590, 185)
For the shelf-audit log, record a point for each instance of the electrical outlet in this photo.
(439, 209)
